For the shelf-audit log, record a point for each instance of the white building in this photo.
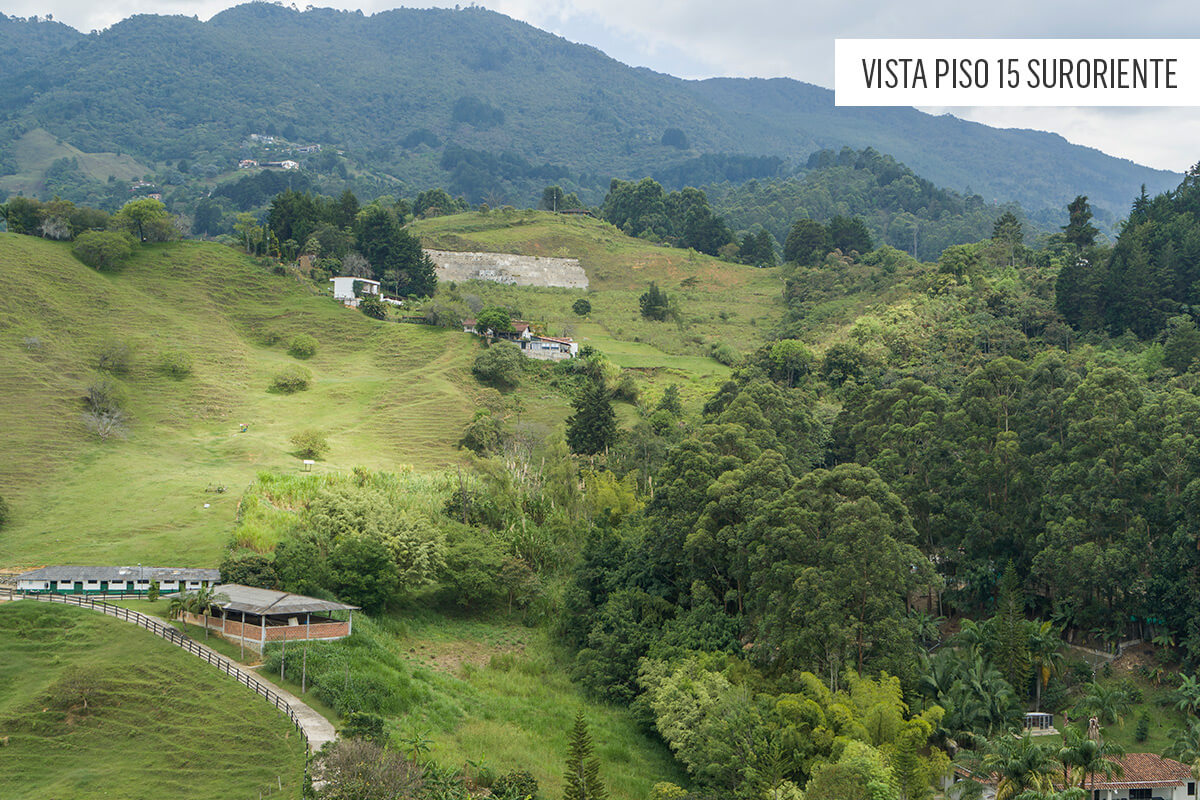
(114, 580)
(343, 289)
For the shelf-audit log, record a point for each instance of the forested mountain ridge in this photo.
(481, 102)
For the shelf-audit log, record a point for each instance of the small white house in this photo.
(343, 289)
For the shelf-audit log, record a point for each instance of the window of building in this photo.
(1139, 794)
(1191, 788)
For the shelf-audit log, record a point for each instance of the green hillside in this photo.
(719, 301)
(158, 722)
(387, 395)
(486, 105)
(37, 150)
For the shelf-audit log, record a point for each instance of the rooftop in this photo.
(1146, 770)
(252, 600)
(69, 573)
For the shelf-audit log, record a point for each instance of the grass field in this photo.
(158, 722)
(719, 301)
(386, 394)
(38, 149)
(517, 706)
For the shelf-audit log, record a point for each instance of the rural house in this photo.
(349, 289)
(533, 345)
(258, 616)
(114, 580)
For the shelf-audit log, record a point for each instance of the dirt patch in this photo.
(1132, 658)
(450, 657)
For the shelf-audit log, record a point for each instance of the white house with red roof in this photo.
(1143, 776)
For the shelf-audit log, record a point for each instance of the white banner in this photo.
(1017, 72)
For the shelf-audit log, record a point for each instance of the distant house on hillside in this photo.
(349, 289)
(247, 163)
(282, 164)
(305, 149)
(114, 580)
(533, 345)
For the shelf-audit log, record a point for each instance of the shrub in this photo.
(103, 414)
(373, 307)
(1143, 728)
(364, 725)
(655, 304)
(482, 435)
(581, 307)
(175, 363)
(250, 569)
(291, 379)
(115, 357)
(515, 785)
(103, 250)
(723, 354)
(310, 443)
(303, 346)
(4, 512)
(500, 365)
(626, 389)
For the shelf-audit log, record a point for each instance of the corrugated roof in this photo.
(252, 600)
(69, 573)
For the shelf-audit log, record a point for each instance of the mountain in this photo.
(481, 103)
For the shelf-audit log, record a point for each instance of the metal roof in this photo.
(120, 574)
(252, 600)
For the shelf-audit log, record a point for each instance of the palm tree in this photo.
(180, 604)
(1187, 696)
(1045, 652)
(1185, 746)
(1095, 759)
(204, 600)
(1021, 765)
(1107, 704)
(1069, 755)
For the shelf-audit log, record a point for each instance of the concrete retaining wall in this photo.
(509, 268)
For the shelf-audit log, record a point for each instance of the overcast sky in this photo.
(777, 38)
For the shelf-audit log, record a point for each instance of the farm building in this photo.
(348, 289)
(114, 580)
(258, 616)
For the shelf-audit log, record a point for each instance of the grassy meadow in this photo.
(38, 149)
(161, 724)
(386, 394)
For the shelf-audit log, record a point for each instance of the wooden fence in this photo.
(176, 637)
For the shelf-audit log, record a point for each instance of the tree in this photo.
(363, 572)
(310, 443)
(103, 250)
(1007, 232)
(593, 426)
(204, 600)
(552, 198)
(1079, 230)
(1011, 651)
(850, 234)
(1021, 765)
(148, 218)
(1182, 345)
(5, 512)
(582, 773)
(373, 307)
(581, 307)
(500, 365)
(494, 320)
(654, 303)
(807, 242)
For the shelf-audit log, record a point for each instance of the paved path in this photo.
(318, 729)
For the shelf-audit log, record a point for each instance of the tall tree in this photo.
(1079, 230)
(1011, 651)
(582, 773)
(593, 427)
